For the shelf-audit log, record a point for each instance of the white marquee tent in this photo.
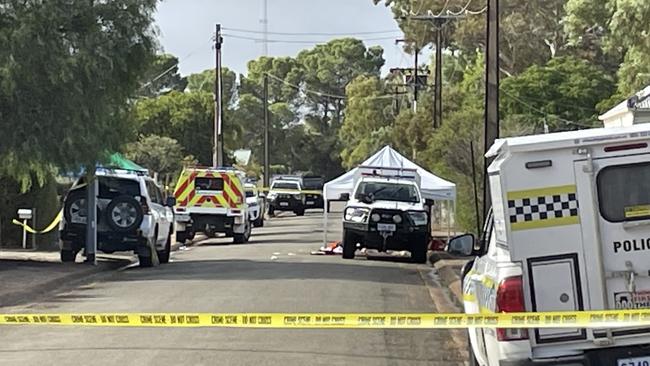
(431, 186)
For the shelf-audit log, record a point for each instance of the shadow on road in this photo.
(234, 269)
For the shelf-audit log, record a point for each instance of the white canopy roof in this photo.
(432, 186)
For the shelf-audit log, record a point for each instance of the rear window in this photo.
(110, 187)
(313, 183)
(250, 194)
(624, 192)
(282, 185)
(208, 184)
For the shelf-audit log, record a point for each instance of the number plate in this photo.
(284, 204)
(636, 361)
(386, 227)
(310, 202)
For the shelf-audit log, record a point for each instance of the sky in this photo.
(186, 28)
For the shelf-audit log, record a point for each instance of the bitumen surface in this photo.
(274, 272)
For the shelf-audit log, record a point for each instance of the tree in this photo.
(204, 82)
(67, 70)
(565, 92)
(368, 121)
(187, 118)
(162, 77)
(163, 156)
(519, 21)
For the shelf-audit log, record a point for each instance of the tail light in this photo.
(145, 207)
(510, 299)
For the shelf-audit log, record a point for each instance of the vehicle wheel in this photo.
(271, 211)
(300, 212)
(163, 255)
(148, 256)
(68, 256)
(181, 237)
(419, 249)
(210, 233)
(74, 209)
(145, 261)
(349, 245)
(260, 221)
(243, 238)
(124, 214)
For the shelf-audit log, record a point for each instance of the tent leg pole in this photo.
(448, 221)
(325, 228)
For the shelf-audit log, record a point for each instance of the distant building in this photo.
(632, 111)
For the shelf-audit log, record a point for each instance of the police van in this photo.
(569, 231)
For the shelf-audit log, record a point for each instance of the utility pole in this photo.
(267, 170)
(491, 126)
(438, 22)
(437, 106)
(416, 80)
(217, 157)
(265, 26)
(416, 85)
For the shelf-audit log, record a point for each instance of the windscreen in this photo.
(385, 191)
(313, 183)
(250, 194)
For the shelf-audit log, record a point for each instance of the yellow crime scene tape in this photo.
(581, 319)
(49, 228)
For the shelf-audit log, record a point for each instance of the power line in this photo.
(240, 30)
(297, 41)
(321, 94)
(170, 69)
(533, 108)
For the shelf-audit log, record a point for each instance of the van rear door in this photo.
(614, 198)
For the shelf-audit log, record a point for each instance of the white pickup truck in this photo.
(569, 231)
(387, 212)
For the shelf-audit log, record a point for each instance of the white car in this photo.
(132, 215)
(386, 213)
(256, 204)
(568, 232)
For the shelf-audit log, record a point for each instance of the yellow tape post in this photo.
(49, 227)
(582, 319)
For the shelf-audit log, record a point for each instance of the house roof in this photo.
(640, 100)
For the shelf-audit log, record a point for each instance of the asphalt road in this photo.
(275, 272)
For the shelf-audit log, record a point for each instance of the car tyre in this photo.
(300, 212)
(259, 222)
(163, 255)
(243, 238)
(68, 256)
(271, 211)
(349, 244)
(419, 251)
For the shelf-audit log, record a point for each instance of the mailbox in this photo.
(24, 214)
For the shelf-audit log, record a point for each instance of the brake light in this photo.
(641, 145)
(145, 207)
(510, 299)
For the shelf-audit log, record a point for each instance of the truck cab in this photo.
(386, 212)
(568, 232)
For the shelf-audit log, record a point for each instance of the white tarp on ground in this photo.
(432, 186)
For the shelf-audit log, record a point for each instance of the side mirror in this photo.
(344, 197)
(462, 245)
(170, 201)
